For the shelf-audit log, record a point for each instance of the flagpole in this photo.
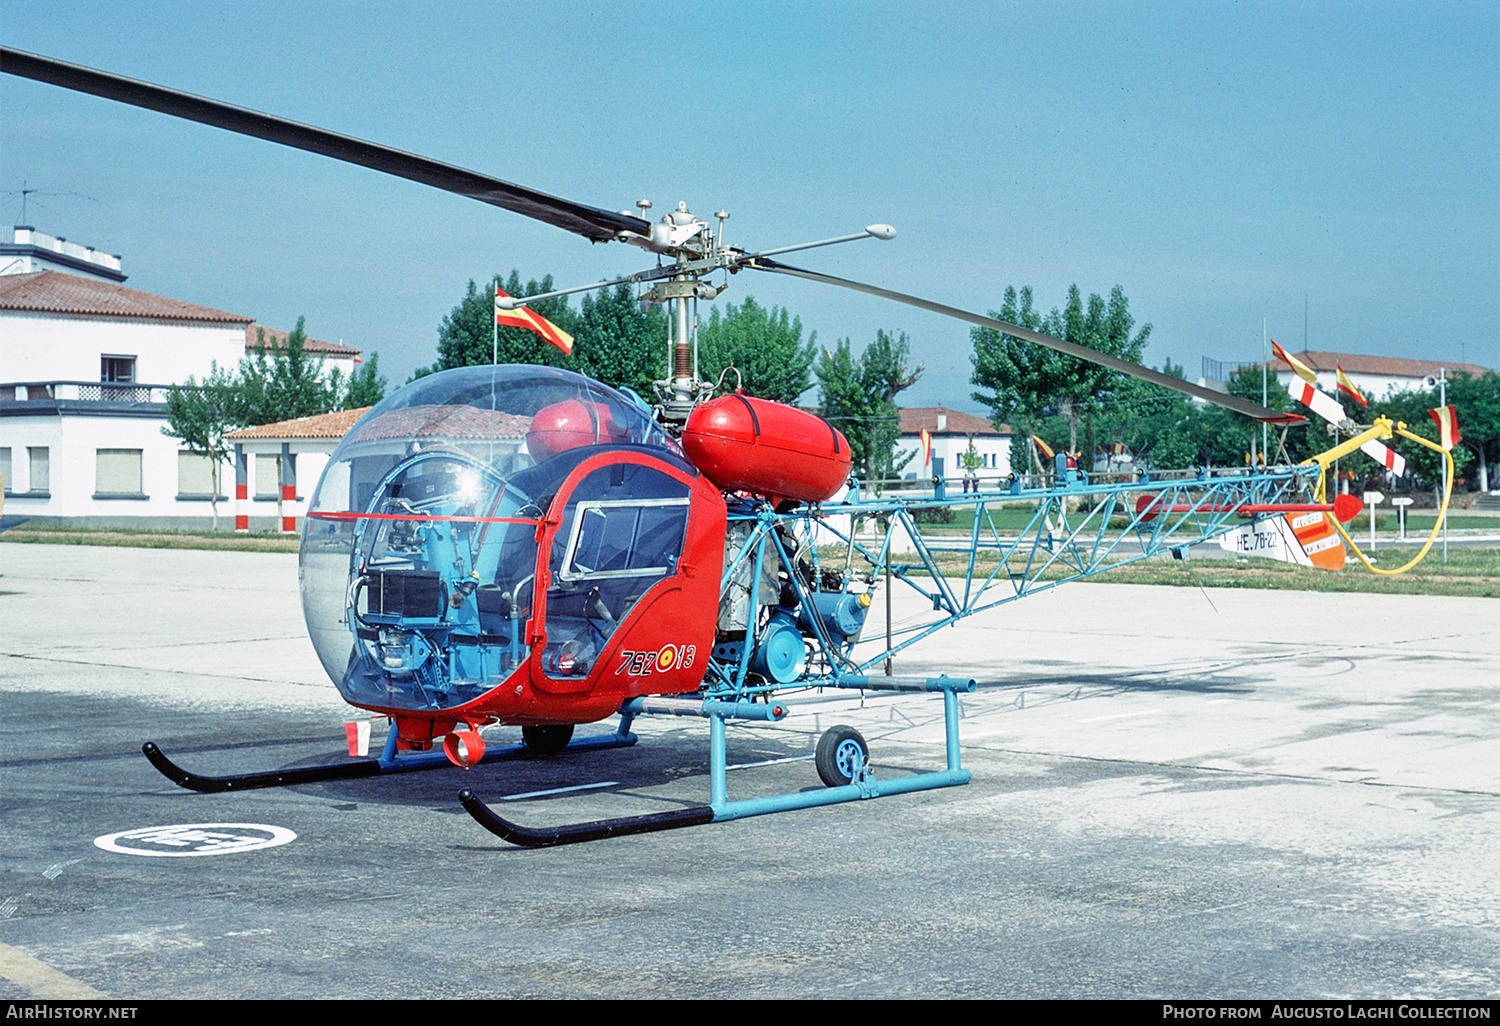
(1442, 402)
(494, 362)
(1265, 370)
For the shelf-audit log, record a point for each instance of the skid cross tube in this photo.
(720, 809)
(390, 761)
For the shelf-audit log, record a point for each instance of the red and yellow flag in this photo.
(1301, 369)
(1446, 419)
(524, 317)
(1043, 448)
(1347, 387)
(926, 448)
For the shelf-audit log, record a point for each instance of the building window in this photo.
(118, 474)
(117, 370)
(41, 473)
(195, 477)
(117, 375)
(267, 477)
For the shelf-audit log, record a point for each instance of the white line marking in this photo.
(1119, 716)
(54, 871)
(770, 762)
(559, 790)
(40, 980)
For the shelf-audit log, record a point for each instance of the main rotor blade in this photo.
(592, 223)
(1135, 370)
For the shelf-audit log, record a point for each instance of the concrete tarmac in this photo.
(1178, 793)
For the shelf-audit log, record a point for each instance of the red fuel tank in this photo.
(568, 425)
(745, 444)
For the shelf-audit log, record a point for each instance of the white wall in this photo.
(40, 347)
(73, 444)
(1373, 386)
(50, 347)
(994, 450)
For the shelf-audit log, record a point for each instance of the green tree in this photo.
(765, 346)
(1160, 428)
(1224, 438)
(858, 396)
(1477, 399)
(201, 415)
(619, 343)
(365, 387)
(281, 382)
(1026, 381)
(1410, 407)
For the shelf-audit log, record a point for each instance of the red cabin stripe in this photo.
(350, 515)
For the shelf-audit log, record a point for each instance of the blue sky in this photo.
(1224, 163)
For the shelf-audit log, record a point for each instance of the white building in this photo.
(951, 433)
(85, 368)
(1375, 376)
(302, 446)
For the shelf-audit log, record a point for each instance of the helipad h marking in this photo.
(191, 839)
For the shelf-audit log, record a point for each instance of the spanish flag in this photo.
(1301, 369)
(926, 448)
(1446, 419)
(1043, 448)
(524, 317)
(1347, 387)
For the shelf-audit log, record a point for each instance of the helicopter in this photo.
(524, 546)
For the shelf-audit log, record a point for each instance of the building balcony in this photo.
(96, 398)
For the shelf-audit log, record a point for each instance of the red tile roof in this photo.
(1378, 366)
(916, 418)
(275, 338)
(452, 422)
(56, 292)
(322, 425)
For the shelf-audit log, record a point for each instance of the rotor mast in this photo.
(695, 251)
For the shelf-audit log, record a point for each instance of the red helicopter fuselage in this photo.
(526, 546)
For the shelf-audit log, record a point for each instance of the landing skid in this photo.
(575, 833)
(843, 763)
(389, 762)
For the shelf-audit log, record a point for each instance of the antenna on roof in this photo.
(26, 191)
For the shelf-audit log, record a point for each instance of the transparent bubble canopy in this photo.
(420, 543)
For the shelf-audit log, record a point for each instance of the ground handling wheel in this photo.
(545, 740)
(841, 756)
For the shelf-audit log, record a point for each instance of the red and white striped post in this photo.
(288, 489)
(241, 489)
